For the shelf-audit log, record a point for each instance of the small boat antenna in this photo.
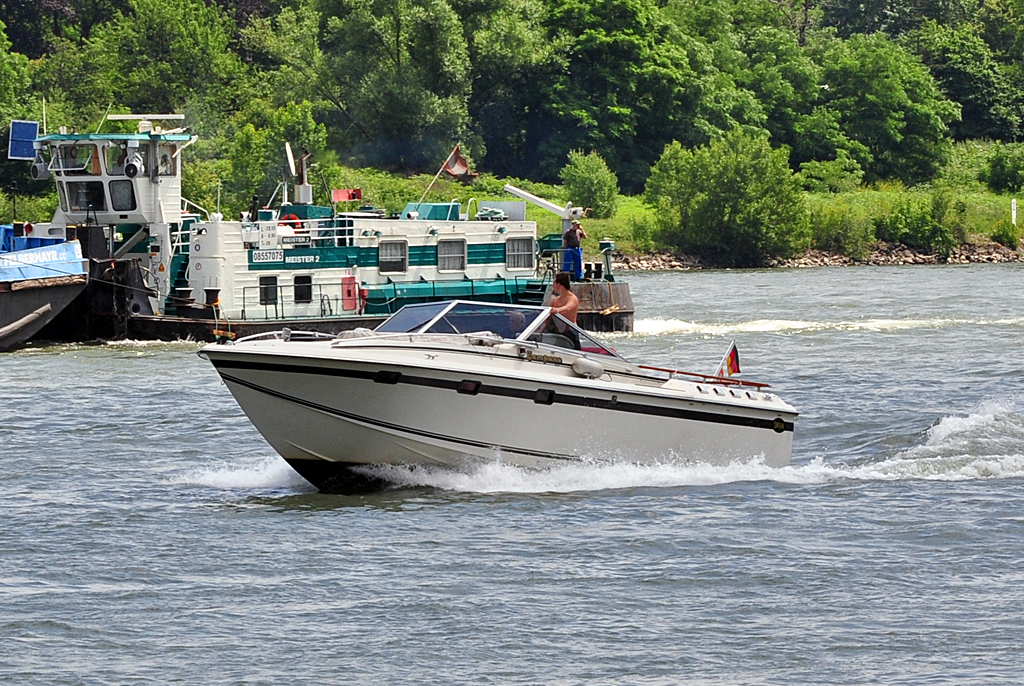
(104, 119)
(271, 201)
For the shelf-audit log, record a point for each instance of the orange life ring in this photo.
(295, 222)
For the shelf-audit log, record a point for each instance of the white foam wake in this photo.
(987, 444)
(270, 472)
(505, 478)
(662, 327)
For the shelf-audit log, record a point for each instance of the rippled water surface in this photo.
(148, 534)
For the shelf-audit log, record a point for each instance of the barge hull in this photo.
(26, 307)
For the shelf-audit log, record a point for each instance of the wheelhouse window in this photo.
(451, 255)
(268, 290)
(519, 253)
(86, 196)
(76, 159)
(303, 286)
(393, 256)
(62, 196)
(122, 195)
(117, 155)
(168, 162)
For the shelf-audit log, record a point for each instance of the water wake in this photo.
(263, 473)
(987, 444)
(505, 478)
(663, 327)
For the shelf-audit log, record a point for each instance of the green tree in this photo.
(819, 137)
(257, 148)
(590, 183)
(510, 53)
(14, 104)
(158, 55)
(77, 80)
(894, 17)
(632, 82)
(841, 175)
(887, 101)
(783, 78)
(734, 202)
(395, 72)
(967, 72)
(13, 76)
(1004, 172)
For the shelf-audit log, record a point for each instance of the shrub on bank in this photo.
(733, 203)
(1006, 234)
(837, 229)
(915, 226)
(1005, 170)
(590, 183)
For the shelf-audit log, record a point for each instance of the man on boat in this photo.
(516, 323)
(565, 303)
(563, 300)
(572, 259)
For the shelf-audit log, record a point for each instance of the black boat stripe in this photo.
(394, 427)
(510, 392)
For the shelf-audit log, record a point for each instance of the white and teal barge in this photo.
(164, 268)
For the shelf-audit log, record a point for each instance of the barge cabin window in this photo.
(519, 253)
(303, 286)
(451, 255)
(392, 256)
(268, 290)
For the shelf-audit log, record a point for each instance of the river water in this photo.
(149, 535)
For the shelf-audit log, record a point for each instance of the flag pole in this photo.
(438, 174)
(721, 365)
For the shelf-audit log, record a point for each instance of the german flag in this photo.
(730, 363)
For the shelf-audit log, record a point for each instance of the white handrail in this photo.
(186, 201)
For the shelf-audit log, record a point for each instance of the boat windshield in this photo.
(412, 318)
(503, 320)
(507, 321)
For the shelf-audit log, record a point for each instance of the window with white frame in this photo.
(519, 253)
(451, 255)
(392, 256)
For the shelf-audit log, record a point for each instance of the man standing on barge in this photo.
(572, 259)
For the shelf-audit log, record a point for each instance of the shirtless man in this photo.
(564, 301)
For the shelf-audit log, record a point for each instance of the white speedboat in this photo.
(456, 383)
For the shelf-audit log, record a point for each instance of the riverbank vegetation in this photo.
(740, 131)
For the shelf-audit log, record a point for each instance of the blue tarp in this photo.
(48, 261)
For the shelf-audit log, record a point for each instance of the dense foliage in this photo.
(1005, 171)
(591, 184)
(733, 202)
(846, 92)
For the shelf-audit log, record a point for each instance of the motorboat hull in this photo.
(326, 416)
